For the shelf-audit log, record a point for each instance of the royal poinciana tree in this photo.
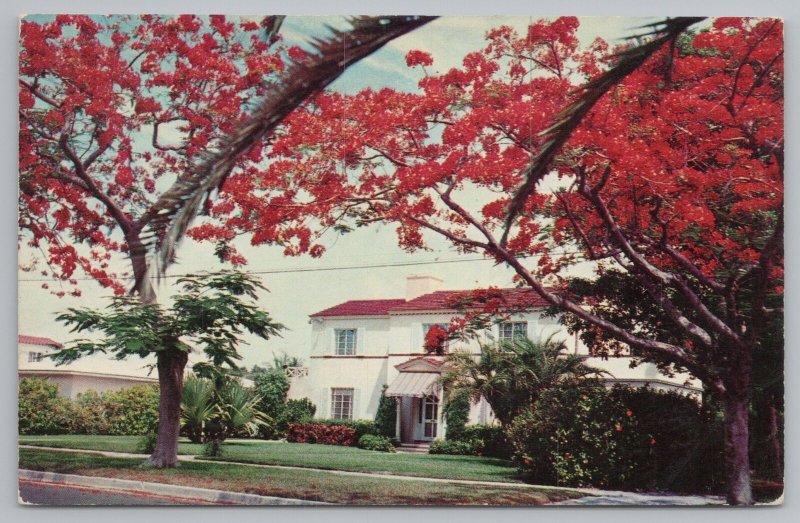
(119, 114)
(662, 160)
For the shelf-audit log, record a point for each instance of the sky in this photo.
(365, 264)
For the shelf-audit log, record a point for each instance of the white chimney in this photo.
(416, 286)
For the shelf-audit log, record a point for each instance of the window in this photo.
(342, 403)
(513, 329)
(345, 342)
(35, 357)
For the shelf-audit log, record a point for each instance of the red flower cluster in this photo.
(435, 339)
(323, 434)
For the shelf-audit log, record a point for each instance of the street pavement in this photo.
(63, 494)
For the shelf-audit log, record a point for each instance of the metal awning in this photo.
(415, 384)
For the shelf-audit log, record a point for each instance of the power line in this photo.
(315, 269)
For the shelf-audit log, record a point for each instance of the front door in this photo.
(430, 417)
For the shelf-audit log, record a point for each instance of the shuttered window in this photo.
(345, 342)
(342, 403)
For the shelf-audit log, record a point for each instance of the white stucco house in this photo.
(358, 346)
(80, 376)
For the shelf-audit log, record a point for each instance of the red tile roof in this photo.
(37, 340)
(446, 300)
(361, 308)
(435, 301)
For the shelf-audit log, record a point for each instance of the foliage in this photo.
(453, 447)
(283, 360)
(272, 387)
(216, 411)
(621, 438)
(212, 449)
(491, 440)
(319, 433)
(211, 311)
(147, 443)
(386, 416)
(668, 162)
(295, 411)
(511, 374)
(456, 413)
(128, 411)
(435, 340)
(361, 426)
(379, 443)
(41, 410)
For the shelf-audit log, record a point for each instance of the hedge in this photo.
(320, 433)
(126, 412)
(622, 438)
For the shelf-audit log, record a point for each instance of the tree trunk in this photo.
(775, 440)
(171, 364)
(737, 455)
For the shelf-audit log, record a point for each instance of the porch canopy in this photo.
(414, 384)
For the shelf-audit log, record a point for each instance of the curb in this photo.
(221, 497)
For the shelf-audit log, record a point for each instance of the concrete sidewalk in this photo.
(187, 494)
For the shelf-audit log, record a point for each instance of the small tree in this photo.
(211, 312)
(512, 374)
(386, 416)
(272, 387)
(456, 413)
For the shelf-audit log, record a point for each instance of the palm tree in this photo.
(511, 374)
(198, 408)
(217, 410)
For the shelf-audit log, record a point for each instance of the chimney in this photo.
(416, 286)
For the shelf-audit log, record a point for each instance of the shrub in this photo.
(386, 416)
(41, 411)
(271, 387)
(620, 438)
(455, 448)
(456, 412)
(320, 433)
(295, 411)
(491, 440)
(361, 426)
(147, 443)
(212, 449)
(126, 412)
(379, 443)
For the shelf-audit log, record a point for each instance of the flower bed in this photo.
(323, 434)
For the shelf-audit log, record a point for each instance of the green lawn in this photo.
(111, 443)
(314, 456)
(310, 485)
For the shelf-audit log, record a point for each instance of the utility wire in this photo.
(311, 269)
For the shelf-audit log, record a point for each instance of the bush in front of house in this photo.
(360, 426)
(294, 411)
(41, 410)
(617, 438)
(490, 440)
(379, 443)
(456, 413)
(271, 387)
(454, 448)
(321, 433)
(386, 416)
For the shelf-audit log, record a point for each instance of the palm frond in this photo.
(175, 210)
(565, 122)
